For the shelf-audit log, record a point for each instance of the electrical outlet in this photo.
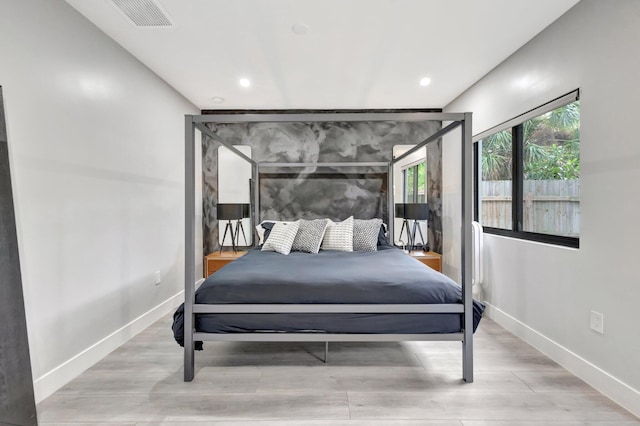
(158, 277)
(597, 322)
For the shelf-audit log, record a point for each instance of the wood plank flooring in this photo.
(372, 384)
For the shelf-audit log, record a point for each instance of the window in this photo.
(496, 193)
(414, 178)
(528, 180)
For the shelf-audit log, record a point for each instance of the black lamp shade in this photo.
(400, 211)
(246, 210)
(230, 211)
(416, 211)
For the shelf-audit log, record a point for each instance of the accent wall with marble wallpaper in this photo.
(312, 192)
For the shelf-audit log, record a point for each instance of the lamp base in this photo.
(227, 228)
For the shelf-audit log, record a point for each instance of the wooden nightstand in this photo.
(214, 261)
(429, 258)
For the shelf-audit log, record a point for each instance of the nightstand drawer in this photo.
(215, 265)
(432, 263)
(431, 259)
(216, 261)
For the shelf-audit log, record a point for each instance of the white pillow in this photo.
(339, 236)
(260, 229)
(281, 237)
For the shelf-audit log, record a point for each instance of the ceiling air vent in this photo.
(144, 13)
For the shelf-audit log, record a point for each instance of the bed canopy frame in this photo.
(193, 122)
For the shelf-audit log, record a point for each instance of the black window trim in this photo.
(518, 177)
(558, 240)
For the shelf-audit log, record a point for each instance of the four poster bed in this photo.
(381, 295)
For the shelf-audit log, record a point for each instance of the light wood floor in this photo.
(267, 384)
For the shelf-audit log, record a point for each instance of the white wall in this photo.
(545, 293)
(96, 149)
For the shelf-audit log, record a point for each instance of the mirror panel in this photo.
(234, 177)
(409, 186)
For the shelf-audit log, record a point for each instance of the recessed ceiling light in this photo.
(217, 99)
(300, 28)
(245, 82)
(425, 81)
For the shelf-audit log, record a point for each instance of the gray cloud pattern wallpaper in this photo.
(312, 192)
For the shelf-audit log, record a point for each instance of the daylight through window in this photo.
(415, 183)
(528, 180)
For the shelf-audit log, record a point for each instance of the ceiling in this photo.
(356, 54)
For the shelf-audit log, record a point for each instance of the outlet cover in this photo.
(597, 322)
(158, 277)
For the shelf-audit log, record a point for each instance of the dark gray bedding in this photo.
(386, 276)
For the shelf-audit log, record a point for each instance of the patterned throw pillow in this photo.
(339, 236)
(281, 237)
(264, 227)
(309, 236)
(365, 234)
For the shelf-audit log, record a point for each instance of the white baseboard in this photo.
(614, 388)
(53, 380)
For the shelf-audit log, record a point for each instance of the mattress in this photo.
(386, 276)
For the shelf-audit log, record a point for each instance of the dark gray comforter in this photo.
(386, 276)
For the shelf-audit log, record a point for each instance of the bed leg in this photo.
(189, 353)
(467, 356)
(189, 243)
(465, 245)
(326, 352)
(188, 357)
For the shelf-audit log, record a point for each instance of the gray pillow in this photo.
(365, 234)
(309, 236)
(281, 237)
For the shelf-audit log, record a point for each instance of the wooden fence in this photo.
(550, 206)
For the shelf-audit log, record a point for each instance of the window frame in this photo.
(517, 205)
